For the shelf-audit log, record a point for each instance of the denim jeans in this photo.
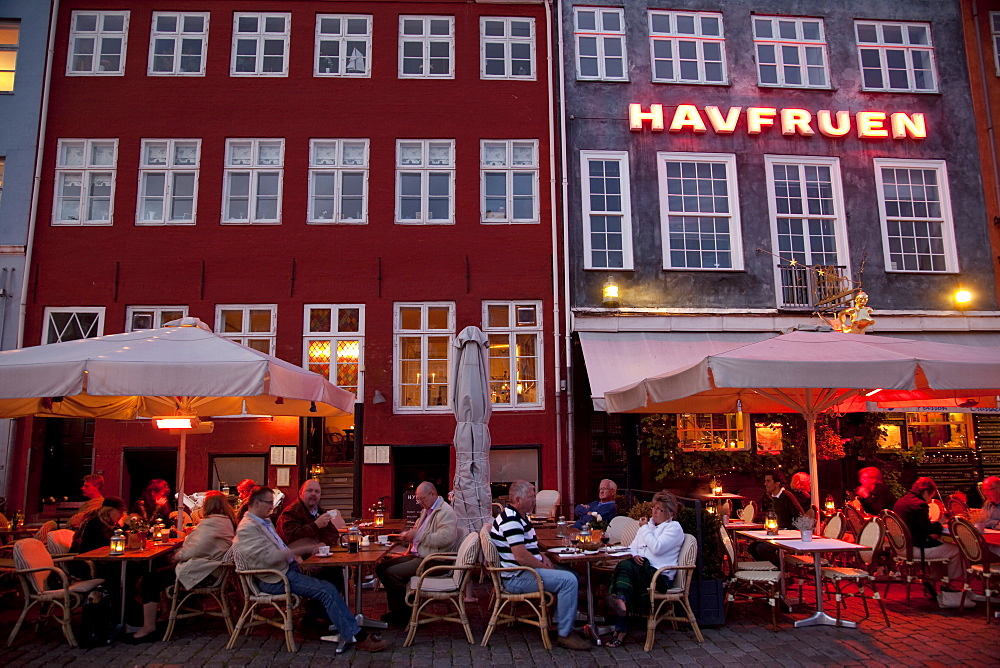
(561, 583)
(319, 590)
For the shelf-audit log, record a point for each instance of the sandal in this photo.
(617, 639)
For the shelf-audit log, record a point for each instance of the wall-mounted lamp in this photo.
(378, 398)
(962, 298)
(609, 293)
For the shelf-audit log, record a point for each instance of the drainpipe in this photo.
(986, 101)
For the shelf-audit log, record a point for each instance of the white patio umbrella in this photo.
(812, 372)
(472, 405)
(183, 370)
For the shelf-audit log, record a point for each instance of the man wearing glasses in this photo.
(605, 505)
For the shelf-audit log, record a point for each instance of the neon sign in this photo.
(866, 124)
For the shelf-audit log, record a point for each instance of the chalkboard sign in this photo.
(411, 507)
(987, 431)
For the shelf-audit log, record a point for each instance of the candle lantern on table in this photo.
(717, 487)
(378, 512)
(771, 523)
(118, 542)
(829, 505)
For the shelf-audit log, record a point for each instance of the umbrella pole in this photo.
(813, 463)
(181, 460)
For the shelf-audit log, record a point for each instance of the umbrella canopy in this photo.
(473, 406)
(811, 372)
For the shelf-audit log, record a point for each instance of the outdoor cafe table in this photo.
(389, 526)
(18, 532)
(791, 541)
(340, 556)
(569, 558)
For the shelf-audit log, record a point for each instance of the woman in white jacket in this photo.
(657, 543)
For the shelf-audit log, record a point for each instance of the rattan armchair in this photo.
(284, 603)
(979, 560)
(751, 584)
(214, 586)
(861, 576)
(662, 606)
(907, 566)
(442, 578)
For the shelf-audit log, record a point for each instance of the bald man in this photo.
(436, 530)
(305, 524)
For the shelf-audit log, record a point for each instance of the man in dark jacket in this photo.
(305, 523)
(784, 505)
(914, 509)
(873, 493)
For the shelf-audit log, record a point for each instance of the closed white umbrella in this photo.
(472, 405)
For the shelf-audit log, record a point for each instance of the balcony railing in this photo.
(814, 287)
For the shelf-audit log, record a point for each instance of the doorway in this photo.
(144, 464)
(415, 463)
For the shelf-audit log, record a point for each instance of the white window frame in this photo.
(8, 54)
(87, 172)
(337, 168)
(509, 168)
(424, 334)
(995, 38)
(622, 157)
(691, 425)
(343, 39)
(255, 169)
(882, 47)
(74, 311)
(728, 160)
(334, 335)
(507, 41)
(946, 220)
(161, 315)
(800, 43)
(602, 37)
(427, 40)
(98, 35)
(675, 37)
(510, 332)
(425, 169)
(170, 170)
(245, 335)
(261, 36)
(180, 39)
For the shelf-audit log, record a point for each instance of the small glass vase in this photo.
(807, 535)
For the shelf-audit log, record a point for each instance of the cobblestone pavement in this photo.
(920, 635)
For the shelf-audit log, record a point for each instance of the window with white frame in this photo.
(514, 330)
(995, 38)
(152, 317)
(338, 181)
(252, 192)
(177, 44)
(423, 333)
(607, 217)
(427, 47)
(334, 343)
(600, 43)
(713, 431)
(917, 228)
(509, 180)
(252, 325)
(85, 181)
(791, 52)
(72, 323)
(343, 45)
(9, 37)
(687, 47)
(425, 181)
(260, 44)
(507, 47)
(168, 181)
(97, 43)
(699, 211)
(896, 57)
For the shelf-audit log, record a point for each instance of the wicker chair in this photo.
(957, 506)
(743, 565)
(214, 586)
(871, 537)
(907, 567)
(622, 530)
(854, 521)
(748, 512)
(980, 561)
(751, 584)
(44, 530)
(538, 601)
(437, 581)
(662, 605)
(34, 567)
(547, 503)
(253, 597)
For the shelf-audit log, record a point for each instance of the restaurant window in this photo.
(712, 431)
(9, 37)
(168, 181)
(687, 47)
(607, 218)
(514, 330)
(97, 43)
(423, 335)
(891, 431)
(508, 48)
(700, 220)
(425, 181)
(253, 181)
(72, 323)
(509, 172)
(177, 44)
(600, 43)
(426, 47)
(253, 325)
(343, 45)
(896, 57)
(938, 430)
(152, 317)
(768, 436)
(338, 181)
(995, 38)
(791, 52)
(915, 211)
(260, 45)
(334, 343)
(85, 181)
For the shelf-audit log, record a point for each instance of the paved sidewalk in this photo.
(920, 635)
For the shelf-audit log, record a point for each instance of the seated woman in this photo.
(201, 555)
(657, 543)
(154, 503)
(95, 531)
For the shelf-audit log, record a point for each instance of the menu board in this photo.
(987, 432)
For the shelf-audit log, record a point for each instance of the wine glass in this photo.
(606, 539)
(576, 541)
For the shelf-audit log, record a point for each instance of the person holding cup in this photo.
(305, 523)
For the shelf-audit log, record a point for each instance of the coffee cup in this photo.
(384, 539)
(323, 551)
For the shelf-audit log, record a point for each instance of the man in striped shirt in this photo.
(514, 538)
